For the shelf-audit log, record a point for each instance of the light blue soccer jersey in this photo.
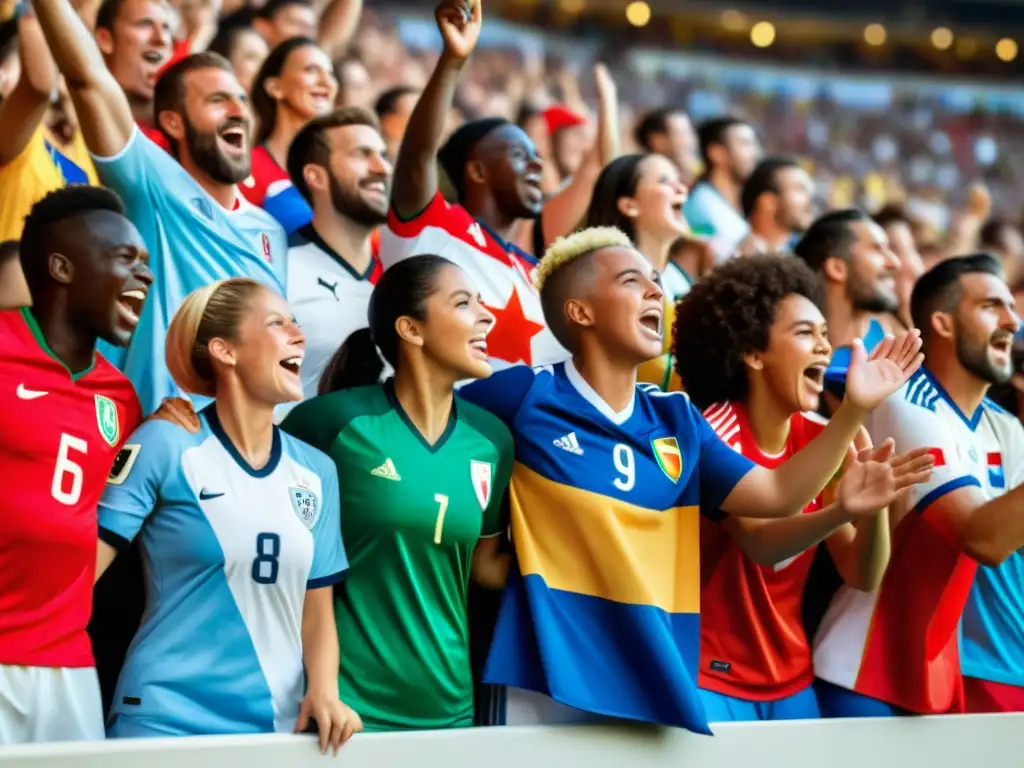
(192, 242)
(992, 626)
(229, 553)
(709, 215)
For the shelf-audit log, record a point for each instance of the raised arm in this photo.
(415, 177)
(24, 109)
(788, 489)
(564, 212)
(337, 25)
(103, 111)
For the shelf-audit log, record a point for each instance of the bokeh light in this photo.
(762, 34)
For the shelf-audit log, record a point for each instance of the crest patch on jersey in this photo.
(123, 463)
(107, 420)
(305, 504)
(670, 458)
(482, 475)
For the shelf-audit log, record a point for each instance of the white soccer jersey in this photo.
(229, 552)
(329, 298)
(898, 643)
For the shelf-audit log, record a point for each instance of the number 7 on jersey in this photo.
(442, 502)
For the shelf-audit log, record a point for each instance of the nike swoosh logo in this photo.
(29, 394)
(204, 496)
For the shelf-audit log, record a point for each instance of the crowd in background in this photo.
(318, 148)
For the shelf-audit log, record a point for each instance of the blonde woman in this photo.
(239, 527)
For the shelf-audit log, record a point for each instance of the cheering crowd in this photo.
(324, 418)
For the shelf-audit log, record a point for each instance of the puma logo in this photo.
(332, 287)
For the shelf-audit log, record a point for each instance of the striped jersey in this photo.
(899, 643)
(752, 641)
(601, 612)
(502, 272)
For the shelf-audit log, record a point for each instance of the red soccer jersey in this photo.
(61, 434)
(752, 641)
(502, 272)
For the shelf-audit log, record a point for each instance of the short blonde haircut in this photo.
(566, 250)
(211, 312)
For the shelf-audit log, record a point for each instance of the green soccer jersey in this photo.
(411, 514)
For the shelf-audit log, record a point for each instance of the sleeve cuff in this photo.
(116, 540)
(327, 581)
(937, 493)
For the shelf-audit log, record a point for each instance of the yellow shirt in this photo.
(38, 170)
(660, 370)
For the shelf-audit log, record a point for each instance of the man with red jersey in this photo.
(898, 650)
(752, 349)
(495, 171)
(64, 414)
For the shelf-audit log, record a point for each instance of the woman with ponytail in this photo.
(240, 532)
(422, 476)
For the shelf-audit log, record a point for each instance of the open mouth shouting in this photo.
(234, 137)
(532, 182)
(1002, 344)
(814, 377)
(292, 364)
(651, 323)
(129, 307)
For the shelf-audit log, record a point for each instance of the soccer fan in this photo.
(777, 201)
(1004, 239)
(244, 49)
(394, 108)
(609, 483)
(33, 160)
(494, 168)
(730, 150)
(422, 474)
(240, 528)
(668, 131)
(752, 349)
(280, 20)
(643, 196)
(355, 86)
(14, 292)
(295, 84)
(136, 41)
(895, 650)
(852, 255)
(66, 416)
(899, 228)
(188, 208)
(338, 164)
(569, 141)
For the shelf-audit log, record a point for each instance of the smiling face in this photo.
(267, 352)
(792, 367)
(216, 124)
(622, 305)
(110, 276)
(872, 269)
(656, 206)
(306, 85)
(454, 333)
(508, 164)
(138, 45)
(360, 174)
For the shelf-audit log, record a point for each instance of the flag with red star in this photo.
(500, 271)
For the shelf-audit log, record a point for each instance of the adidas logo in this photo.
(569, 443)
(387, 471)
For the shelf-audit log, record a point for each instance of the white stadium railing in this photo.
(940, 742)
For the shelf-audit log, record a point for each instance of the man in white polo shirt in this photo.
(338, 163)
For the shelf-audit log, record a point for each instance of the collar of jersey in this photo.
(509, 247)
(217, 428)
(309, 233)
(587, 393)
(972, 423)
(389, 391)
(37, 334)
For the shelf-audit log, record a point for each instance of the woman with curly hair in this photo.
(752, 348)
